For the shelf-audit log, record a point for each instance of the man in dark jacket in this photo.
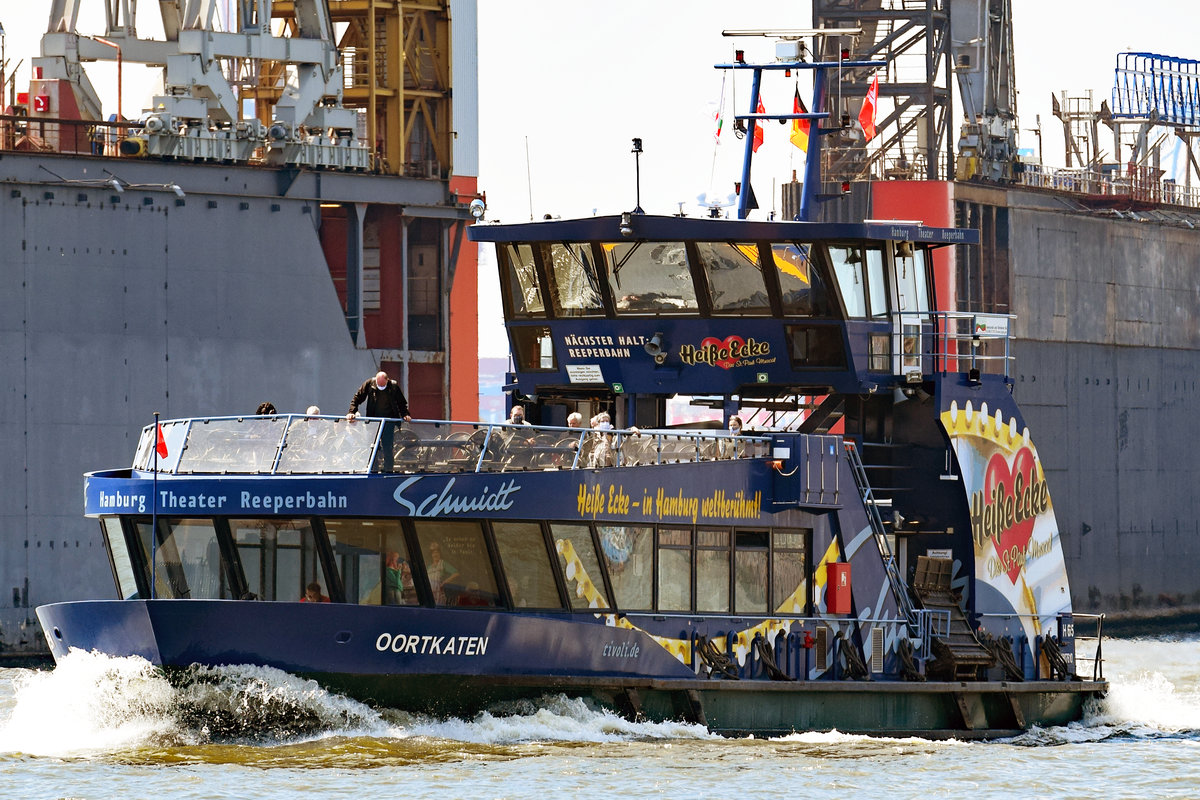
(384, 398)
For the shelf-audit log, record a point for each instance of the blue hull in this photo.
(461, 662)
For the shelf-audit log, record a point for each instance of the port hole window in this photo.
(527, 566)
(457, 564)
(650, 278)
(524, 291)
(674, 570)
(628, 552)
(735, 278)
(580, 566)
(123, 571)
(750, 572)
(789, 572)
(374, 561)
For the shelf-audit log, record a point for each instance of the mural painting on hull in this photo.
(1019, 566)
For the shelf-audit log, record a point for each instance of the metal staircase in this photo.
(872, 505)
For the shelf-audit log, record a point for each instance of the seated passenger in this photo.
(732, 447)
(312, 594)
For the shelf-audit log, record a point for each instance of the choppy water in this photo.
(97, 728)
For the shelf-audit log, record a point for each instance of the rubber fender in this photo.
(133, 146)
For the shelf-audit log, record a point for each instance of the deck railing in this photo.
(289, 444)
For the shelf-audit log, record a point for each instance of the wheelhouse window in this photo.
(372, 557)
(650, 278)
(628, 552)
(735, 278)
(801, 285)
(859, 272)
(527, 566)
(534, 348)
(524, 290)
(580, 566)
(457, 563)
(576, 281)
(816, 346)
(912, 279)
(674, 570)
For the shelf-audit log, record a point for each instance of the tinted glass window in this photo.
(712, 571)
(650, 277)
(122, 565)
(527, 565)
(279, 557)
(675, 570)
(457, 563)
(581, 568)
(734, 277)
(628, 552)
(750, 573)
(816, 346)
(374, 561)
(801, 286)
(192, 559)
(788, 572)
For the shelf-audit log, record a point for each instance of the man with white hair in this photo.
(384, 398)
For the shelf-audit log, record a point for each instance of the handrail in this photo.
(325, 444)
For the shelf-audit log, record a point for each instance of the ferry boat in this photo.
(875, 552)
(890, 564)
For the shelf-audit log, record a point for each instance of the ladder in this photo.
(871, 503)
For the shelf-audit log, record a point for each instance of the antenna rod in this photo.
(528, 182)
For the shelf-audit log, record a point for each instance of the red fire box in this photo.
(837, 588)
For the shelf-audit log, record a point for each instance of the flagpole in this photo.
(744, 194)
(154, 516)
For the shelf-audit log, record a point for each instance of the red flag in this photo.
(161, 445)
(799, 135)
(758, 128)
(866, 117)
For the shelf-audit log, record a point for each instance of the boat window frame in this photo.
(727, 550)
(865, 245)
(551, 564)
(506, 269)
(133, 556)
(543, 253)
(612, 269)
(703, 283)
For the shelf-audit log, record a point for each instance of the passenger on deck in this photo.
(312, 594)
(733, 447)
(313, 411)
(517, 417)
(265, 409)
(384, 398)
(574, 420)
(441, 573)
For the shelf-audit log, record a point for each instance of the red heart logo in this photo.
(728, 346)
(1013, 540)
